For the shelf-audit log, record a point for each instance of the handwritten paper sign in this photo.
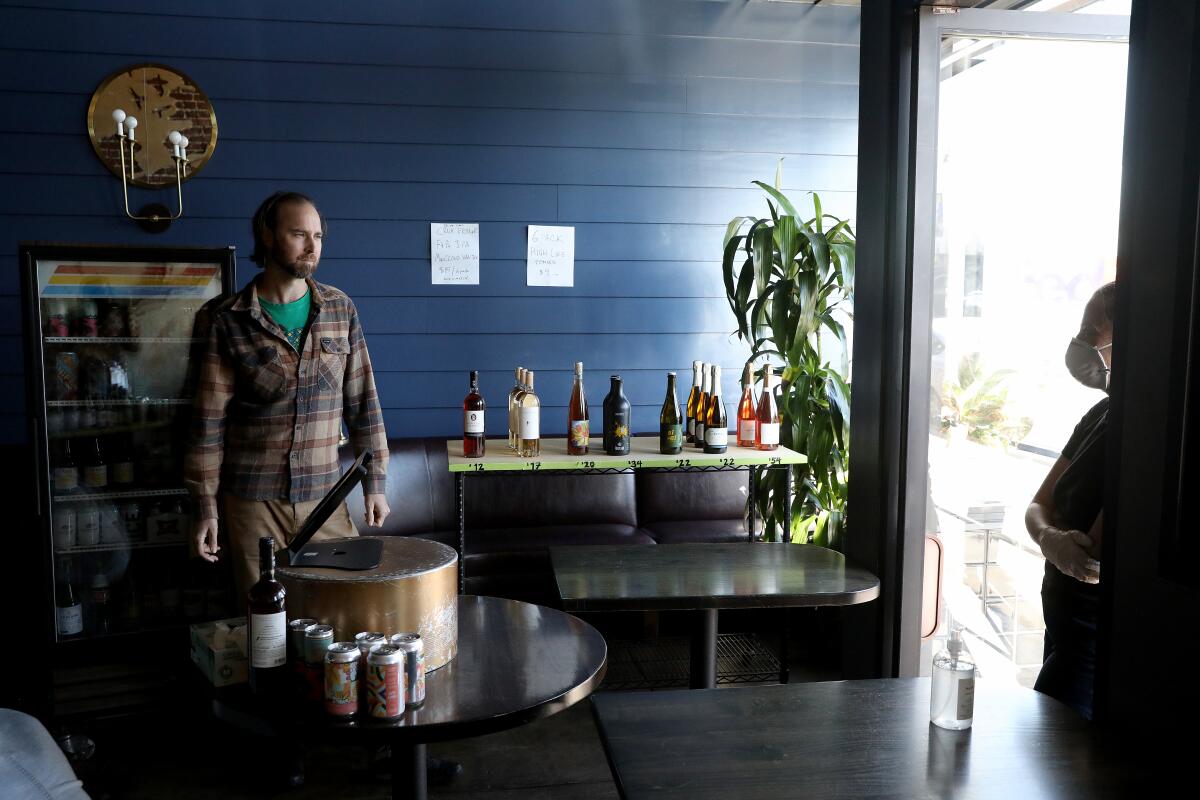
(550, 256)
(454, 253)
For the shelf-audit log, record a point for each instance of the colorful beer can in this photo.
(385, 682)
(341, 679)
(414, 650)
(296, 629)
(317, 639)
(66, 376)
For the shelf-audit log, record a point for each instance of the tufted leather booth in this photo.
(512, 519)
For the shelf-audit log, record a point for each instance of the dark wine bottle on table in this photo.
(716, 426)
(267, 633)
(616, 419)
(702, 406)
(474, 439)
(670, 425)
(692, 401)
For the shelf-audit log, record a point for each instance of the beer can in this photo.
(385, 682)
(66, 376)
(317, 639)
(414, 649)
(341, 679)
(296, 629)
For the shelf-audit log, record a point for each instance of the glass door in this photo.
(1021, 196)
(113, 331)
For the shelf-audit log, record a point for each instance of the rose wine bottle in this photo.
(474, 440)
(512, 408)
(267, 635)
(616, 419)
(692, 401)
(716, 426)
(767, 433)
(670, 422)
(529, 417)
(578, 431)
(702, 406)
(747, 416)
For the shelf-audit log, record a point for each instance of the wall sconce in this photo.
(165, 133)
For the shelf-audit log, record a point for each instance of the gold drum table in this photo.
(414, 589)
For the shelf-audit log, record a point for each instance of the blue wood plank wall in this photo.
(639, 122)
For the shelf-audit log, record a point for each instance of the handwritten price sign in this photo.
(454, 253)
(550, 256)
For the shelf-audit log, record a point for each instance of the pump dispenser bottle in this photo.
(952, 700)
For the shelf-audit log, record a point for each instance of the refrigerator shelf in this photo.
(120, 339)
(103, 548)
(130, 495)
(164, 401)
(85, 433)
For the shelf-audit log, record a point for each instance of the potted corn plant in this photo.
(789, 279)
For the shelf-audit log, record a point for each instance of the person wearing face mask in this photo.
(1066, 518)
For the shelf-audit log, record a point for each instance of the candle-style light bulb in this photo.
(118, 116)
(131, 123)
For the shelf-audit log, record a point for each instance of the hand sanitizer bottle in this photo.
(952, 701)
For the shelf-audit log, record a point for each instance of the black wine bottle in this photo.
(670, 426)
(267, 634)
(616, 419)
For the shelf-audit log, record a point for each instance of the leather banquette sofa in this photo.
(512, 519)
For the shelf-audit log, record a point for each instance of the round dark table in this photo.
(516, 663)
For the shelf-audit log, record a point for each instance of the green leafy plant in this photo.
(977, 400)
(790, 283)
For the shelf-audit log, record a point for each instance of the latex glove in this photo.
(1067, 550)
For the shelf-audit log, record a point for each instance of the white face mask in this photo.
(1086, 365)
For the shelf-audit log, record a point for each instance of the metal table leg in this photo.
(787, 507)
(753, 470)
(703, 672)
(408, 772)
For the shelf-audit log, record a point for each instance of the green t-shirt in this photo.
(292, 317)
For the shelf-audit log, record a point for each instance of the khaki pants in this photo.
(245, 521)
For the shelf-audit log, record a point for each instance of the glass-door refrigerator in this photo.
(111, 348)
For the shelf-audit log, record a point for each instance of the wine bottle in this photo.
(716, 425)
(767, 433)
(474, 440)
(95, 470)
(670, 425)
(616, 419)
(267, 634)
(693, 399)
(747, 415)
(702, 406)
(68, 611)
(512, 407)
(578, 428)
(66, 470)
(120, 462)
(529, 415)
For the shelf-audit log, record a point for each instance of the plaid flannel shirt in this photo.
(267, 419)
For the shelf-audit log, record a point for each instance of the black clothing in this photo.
(1071, 607)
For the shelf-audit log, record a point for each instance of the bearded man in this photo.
(284, 365)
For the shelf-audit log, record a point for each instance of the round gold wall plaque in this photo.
(163, 100)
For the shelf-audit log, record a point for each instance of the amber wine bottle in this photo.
(747, 416)
(474, 440)
(577, 416)
(693, 399)
(767, 427)
(530, 418)
(670, 424)
(267, 634)
(716, 426)
(702, 406)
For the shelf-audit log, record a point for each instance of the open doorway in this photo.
(1020, 193)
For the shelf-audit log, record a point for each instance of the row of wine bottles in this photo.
(703, 423)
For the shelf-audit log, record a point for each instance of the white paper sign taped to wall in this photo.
(454, 253)
(550, 256)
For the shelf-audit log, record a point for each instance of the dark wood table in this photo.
(516, 663)
(706, 577)
(855, 739)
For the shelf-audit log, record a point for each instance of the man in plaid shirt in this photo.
(284, 365)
